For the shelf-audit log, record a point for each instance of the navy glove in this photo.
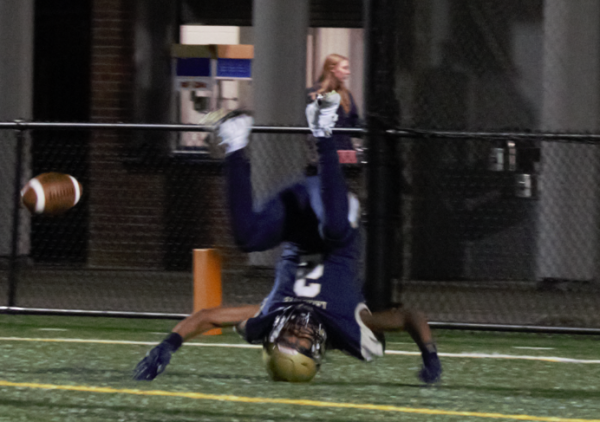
(431, 372)
(157, 359)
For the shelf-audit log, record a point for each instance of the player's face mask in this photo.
(296, 345)
(299, 328)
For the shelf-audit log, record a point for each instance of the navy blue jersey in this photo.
(330, 283)
(316, 220)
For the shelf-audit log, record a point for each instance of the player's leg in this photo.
(321, 116)
(416, 325)
(253, 229)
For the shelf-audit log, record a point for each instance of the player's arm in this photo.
(416, 325)
(397, 319)
(156, 360)
(207, 319)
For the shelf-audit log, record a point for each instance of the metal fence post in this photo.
(382, 113)
(12, 275)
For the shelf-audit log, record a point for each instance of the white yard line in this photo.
(253, 346)
(533, 348)
(99, 341)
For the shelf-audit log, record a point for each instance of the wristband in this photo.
(174, 341)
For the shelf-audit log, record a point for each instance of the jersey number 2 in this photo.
(308, 286)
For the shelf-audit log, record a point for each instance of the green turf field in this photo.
(78, 369)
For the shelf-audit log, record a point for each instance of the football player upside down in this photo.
(316, 302)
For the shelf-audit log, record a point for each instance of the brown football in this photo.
(51, 193)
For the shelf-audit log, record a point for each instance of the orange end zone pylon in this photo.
(207, 282)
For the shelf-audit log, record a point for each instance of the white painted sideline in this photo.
(253, 346)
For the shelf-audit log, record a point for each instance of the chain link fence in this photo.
(497, 199)
(486, 233)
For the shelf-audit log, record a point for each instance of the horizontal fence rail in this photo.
(22, 125)
(482, 233)
(399, 132)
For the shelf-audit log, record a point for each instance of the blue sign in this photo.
(193, 66)
(234, 68)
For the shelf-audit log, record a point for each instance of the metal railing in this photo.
(457, 301)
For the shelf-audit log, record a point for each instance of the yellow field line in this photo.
(553, 359)
(267, 400)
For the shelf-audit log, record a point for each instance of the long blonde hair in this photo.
(328, 82)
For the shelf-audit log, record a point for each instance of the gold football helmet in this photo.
(287, 364)
(295, 346)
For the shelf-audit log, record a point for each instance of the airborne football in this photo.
(51, 193)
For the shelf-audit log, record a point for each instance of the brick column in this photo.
(126, 206)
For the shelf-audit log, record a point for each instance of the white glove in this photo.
(322, 114)
(235, 132)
